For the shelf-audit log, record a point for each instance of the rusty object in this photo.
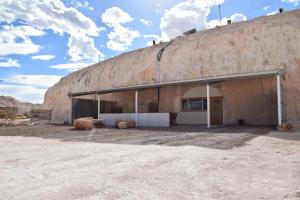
(284, 127)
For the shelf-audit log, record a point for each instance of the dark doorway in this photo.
(84, 108)
(216, 110)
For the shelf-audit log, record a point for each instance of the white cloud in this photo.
(266, 8)
(84, 4)
(32, 80)
(237, 17)
(295, 2)
(43, 57)
(152, 36)
(272, 13)
(71, 66)
(23, 93)
(185, 16)
(115, 16)
(51, 15)
(121, 37)
(27, 88)
(82, 47)
(146, 22)
(9, 63)
(16, 40)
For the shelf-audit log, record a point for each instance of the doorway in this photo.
(216, 110)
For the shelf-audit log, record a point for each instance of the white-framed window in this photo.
(198, 104)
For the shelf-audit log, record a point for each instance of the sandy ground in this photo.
(56, 162)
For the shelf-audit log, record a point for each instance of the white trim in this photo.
(208, 105)
(99, 105)
(136, 107)
(70, 110)
(279, 107)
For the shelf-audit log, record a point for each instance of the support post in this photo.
(136, 107)
(208, 105)
(99, 109)
(70, 110)
(279, 107)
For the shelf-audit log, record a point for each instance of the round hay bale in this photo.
(122, 125)
(83, 123)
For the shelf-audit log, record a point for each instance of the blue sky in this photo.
(43, 40)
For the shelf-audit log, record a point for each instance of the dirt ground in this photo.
(57, 162)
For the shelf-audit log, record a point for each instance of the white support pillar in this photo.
(70, 110)
(99, 110)
(279, 107)
(208, 105)
(136, 107)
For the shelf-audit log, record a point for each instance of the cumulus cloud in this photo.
(9, 63)
(146, 22)
(43, 57)
(266, 8)
(84, 4)
(23, 93)
(121, 37)
(51, 15)
(33, 80)
(272, 13)
(17, 39)
(185, 16)
(82, 47)
(237, 17)
(295, 2)
(27, 88)
(71, 66)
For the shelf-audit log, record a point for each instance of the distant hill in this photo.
(7, 101)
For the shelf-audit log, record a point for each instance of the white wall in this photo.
(193, 117)
(144, 119)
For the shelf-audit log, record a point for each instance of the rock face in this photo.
(22, 107)
(265, 43)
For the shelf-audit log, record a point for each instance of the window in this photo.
(194, 104)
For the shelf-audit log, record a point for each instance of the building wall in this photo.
(265, 43)
(252, 100)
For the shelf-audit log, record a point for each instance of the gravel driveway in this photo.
(57, 162)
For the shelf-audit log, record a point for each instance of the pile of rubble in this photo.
(17, 122)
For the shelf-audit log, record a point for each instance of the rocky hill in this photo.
(7, 101)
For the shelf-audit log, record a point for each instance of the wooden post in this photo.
(208, 105)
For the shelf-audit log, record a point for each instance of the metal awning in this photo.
(181, 82)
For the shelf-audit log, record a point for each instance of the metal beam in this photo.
(200, 80)
(70, 110)
(279, 106)
(99, 105)
(208, 105)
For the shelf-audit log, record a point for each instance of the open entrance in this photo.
(229, 99)
(216, 110)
